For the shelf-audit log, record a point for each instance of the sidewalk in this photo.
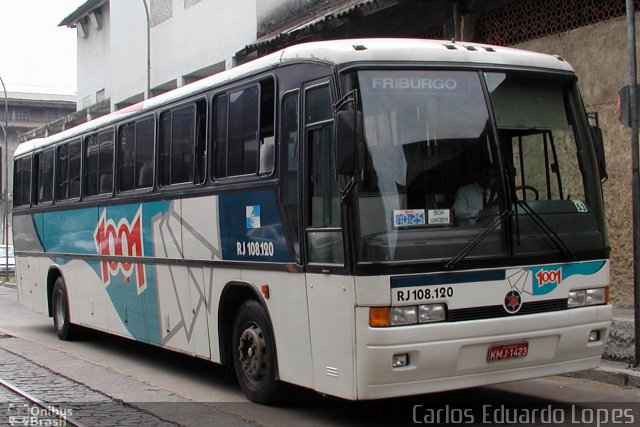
(9, 284)
(616, 364)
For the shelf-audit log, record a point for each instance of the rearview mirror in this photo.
(346, 137)
(598, 146)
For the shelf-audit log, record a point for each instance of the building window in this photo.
(160, 11)
(22, 115)
(86, 102)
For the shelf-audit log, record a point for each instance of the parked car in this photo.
(7, 264)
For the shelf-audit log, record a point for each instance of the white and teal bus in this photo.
(295, 220)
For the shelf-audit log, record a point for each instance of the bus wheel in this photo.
(60, 303)
(253, 353)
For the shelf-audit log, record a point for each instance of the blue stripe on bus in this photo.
(74, 232)
(251, 227)
(448, 278)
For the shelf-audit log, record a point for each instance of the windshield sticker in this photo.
(439, 217)
(253, 216)
(580, 207)
(408, 217)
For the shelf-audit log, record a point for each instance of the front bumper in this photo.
(452, 355)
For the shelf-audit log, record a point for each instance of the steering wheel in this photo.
(525, 188)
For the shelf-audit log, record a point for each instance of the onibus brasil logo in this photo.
(121, 239)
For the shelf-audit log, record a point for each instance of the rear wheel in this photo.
(253, 353)
(60, 307)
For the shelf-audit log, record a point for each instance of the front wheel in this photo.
(61, 318)
(253, 353)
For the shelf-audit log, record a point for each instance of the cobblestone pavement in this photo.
(79, 402)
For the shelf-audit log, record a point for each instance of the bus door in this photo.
(329, 289)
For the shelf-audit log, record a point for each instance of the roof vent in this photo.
(359, 47)
(451, 46)
(489, 49)
(471, 48)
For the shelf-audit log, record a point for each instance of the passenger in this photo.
(471, 200)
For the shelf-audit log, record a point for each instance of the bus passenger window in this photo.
(290, 165)
(22, 182)
(267, 135)
(242, 157)
(244, 137)
(45, 176)
(68, 171)
(98, 167)
(135, 155)
(179, 141)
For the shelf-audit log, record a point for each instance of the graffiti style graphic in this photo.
(121, 239)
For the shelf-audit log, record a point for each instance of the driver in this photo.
(471, 200)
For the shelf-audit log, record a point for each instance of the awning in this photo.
(82, 11)
(333, 15)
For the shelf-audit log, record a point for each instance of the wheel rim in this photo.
(252, 351)
(59, 310)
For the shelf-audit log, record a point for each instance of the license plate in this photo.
(508, 351)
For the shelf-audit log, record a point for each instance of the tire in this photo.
(254, 354)
(60, 309)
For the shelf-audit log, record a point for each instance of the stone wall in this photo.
(599, 55)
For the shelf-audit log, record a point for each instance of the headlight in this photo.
(586, 297)
(597, 296)
(432, 313)
(404, 316)
(410, 315)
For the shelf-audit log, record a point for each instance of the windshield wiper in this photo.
(451, 264)
(547, 230)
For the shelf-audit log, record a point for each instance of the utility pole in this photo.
(635, 177)
(6, 177)
(146, 10)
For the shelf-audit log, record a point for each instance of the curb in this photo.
(10, 285)
(614, 373)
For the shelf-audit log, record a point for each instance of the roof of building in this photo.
(33, 96)
(317, 14)
(339, 52)
(82, 11)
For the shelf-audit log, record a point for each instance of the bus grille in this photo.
(490, 312)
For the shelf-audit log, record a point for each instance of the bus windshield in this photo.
(435, 175)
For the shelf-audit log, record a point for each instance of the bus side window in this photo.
(290, 142)
(22, 182)
(75, 158)
(135, 155)
(98, 167)
(267, 135)
(45, 176)
(244, 137)
(68, 171)
(182, 144)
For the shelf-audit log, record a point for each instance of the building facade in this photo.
(188, 40)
